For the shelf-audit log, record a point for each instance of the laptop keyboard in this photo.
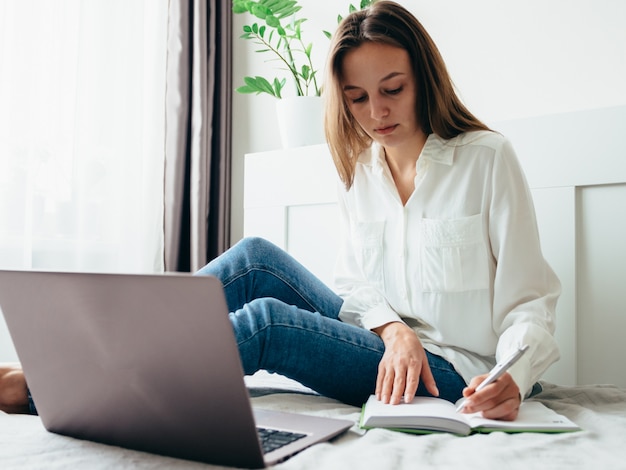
(272, 439)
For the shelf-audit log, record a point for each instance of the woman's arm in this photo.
(525, 291)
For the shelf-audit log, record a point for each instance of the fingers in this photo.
(395, 382)
(471, 387)
(411, 383)
(390, 383)
(429, 380)
(499, 400)
(381, 382)
(500, 407)
(505, 411)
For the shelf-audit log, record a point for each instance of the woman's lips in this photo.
(385, 130)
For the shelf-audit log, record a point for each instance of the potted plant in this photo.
(277, 29)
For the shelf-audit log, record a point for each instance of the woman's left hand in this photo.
(403, 366)
(498, 400)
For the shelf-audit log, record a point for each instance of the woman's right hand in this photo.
(402, 366)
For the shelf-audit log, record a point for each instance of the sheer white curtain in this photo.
(82, 86)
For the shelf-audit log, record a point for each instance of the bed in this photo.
(600, 410)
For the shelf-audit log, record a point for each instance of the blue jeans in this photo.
(286, 321)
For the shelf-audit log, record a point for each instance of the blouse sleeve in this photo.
(525, 288)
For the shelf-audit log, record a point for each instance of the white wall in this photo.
(508, 59)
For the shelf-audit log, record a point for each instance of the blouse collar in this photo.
(436, 149)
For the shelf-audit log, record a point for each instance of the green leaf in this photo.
(272, 21)
(298, 30)
(278, 86)
(286, 8)
(273, 4)
(305, 72)
(327, 34)
(288, 13)
(239, 8)
(260, 11)
(247, 28)
(264, 85)
(250, 81)
(245, 90)
(257, 85)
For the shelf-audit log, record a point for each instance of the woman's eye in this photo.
(359, 99)
(395, 91)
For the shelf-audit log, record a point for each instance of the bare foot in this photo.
(13, 391)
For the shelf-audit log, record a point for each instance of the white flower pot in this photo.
(300, 121)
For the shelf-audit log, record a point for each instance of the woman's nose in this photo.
(378, 109)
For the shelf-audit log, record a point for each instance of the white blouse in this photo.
(460, 263)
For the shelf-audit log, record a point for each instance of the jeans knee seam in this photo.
(296, 327)
(260, 268)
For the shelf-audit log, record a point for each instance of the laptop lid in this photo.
(147, 362)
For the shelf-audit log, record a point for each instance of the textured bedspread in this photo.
(599, 410)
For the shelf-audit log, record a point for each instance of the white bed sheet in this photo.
(599, 409)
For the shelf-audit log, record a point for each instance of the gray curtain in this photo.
(198, 133)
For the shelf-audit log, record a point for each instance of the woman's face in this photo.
(380, 91)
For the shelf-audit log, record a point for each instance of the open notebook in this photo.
(427, 415)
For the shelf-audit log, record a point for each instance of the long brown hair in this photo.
(438, 108)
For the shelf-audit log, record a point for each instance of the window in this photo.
(82, 125)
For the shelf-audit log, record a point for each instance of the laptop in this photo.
(146, 362)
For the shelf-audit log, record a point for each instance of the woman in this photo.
(440, 271)
(442, 254)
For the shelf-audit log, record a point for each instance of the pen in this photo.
(497, 371)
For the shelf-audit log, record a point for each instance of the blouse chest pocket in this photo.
(368, 250)
(453, 255)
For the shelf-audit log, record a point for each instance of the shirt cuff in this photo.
(379, 316)
(520, 371)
